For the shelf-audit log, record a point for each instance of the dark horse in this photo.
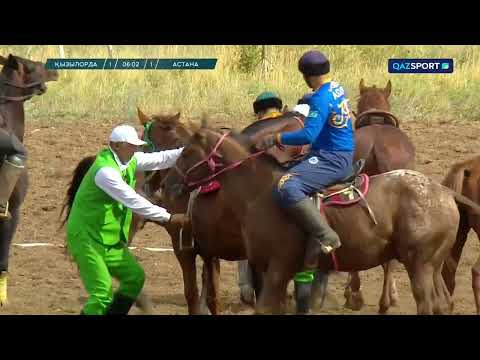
(20, 80)
(464, 177)
(385, 147)
(417, 220)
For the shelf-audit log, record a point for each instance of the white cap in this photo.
(126, 133)
(303, 109)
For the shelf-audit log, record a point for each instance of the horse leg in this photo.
(421, 279)
(319, 289)
(353, 294)
(389, 292)
(257, 277)
(186, 258)
(444, 304)
(451, 263)
(246, 283)
(476, 272)
(7, 230)
(274, 292)
(211, 283)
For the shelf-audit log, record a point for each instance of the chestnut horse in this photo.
(417, 220)
(20, 80)
(384, 147)
(464, 177)
(218, 235)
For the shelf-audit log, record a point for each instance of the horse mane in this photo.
(272, 125)
(163, 117)
(245, 142)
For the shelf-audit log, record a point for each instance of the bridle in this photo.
(19, 86)
(213, 162)
(364, 116)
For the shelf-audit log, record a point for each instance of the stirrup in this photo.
(327, 249)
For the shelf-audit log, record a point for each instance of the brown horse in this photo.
(218, 235)
(417, 221)
(160, 134)
(464, 177)
(384, 147)
(20, 80)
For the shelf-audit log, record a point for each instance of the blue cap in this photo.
(314, 63)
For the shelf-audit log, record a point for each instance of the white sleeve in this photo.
(157, 160)
(110, 181)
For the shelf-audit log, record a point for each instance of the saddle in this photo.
(350, 190)
(347, 191)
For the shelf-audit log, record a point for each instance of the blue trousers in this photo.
(317, 171)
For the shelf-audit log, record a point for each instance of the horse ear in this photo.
(142, 117)
(388, 89)
(176, 117)
(362, 86)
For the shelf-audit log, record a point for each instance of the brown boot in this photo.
(320, 236)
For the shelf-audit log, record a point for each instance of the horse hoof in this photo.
(203, 310)
(382, 309)
(355, 301)
(247, 295)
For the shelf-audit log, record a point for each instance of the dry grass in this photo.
(112, 95)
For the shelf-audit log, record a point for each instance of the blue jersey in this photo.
(329, 124)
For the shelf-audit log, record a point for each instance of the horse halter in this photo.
(212, 162)
(19, 86)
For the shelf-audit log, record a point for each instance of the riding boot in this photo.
(3, 288)
(121, 305)
(320, 236)
(10, 171)
(302, 297)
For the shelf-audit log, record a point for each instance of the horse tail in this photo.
(455, 178)
(78, 175)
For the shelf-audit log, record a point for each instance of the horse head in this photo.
(25, 78)
(160, 130)
(373, 106)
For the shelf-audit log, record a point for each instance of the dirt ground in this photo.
(44, 281)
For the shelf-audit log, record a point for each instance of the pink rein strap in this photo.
(213, 165)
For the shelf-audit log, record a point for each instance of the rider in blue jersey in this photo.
(329, 130)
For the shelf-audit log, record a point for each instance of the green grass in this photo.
(227, 92)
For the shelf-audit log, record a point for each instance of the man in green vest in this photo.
(99, 221)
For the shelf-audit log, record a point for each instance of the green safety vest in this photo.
(94, 213)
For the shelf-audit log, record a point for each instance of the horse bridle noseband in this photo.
(19, 86)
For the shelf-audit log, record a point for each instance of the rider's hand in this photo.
(268, 141)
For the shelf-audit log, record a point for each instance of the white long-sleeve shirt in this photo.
(110, 181)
